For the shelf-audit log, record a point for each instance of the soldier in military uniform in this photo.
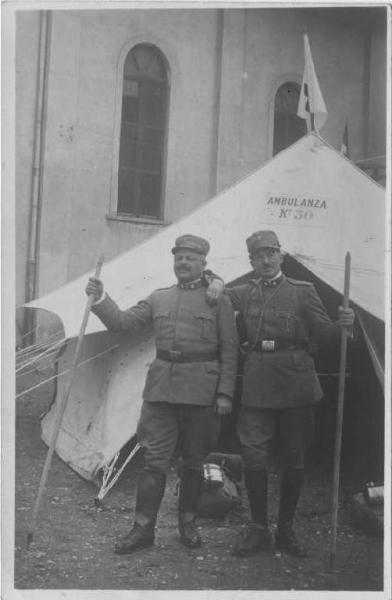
(189, 386)
(280, 385)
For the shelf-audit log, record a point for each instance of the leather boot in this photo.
(150, 489)
(257, 536)
(191, 486)
(285, 538)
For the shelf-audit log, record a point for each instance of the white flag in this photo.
(311, 105)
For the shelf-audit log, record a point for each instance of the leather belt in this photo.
(280, 345)
(186, 357)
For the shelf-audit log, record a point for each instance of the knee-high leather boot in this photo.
(256, 484)
(150, 490)
(257, 537)
(290, 490)
(191, 486)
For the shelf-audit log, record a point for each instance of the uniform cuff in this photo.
(101, 299)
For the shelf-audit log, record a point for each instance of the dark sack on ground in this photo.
(217, 502)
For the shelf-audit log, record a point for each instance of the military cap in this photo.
(191, 242)
(262, 239)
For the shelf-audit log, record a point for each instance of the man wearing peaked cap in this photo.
(191, 242)
(281, 318)
(262, 239)
(189, 385)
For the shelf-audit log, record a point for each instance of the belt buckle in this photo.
(174, 354)
(268, 345)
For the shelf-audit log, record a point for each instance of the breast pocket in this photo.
(161, 321)
(287, 324)
(206, 324)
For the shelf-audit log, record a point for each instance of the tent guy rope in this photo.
(43, 354)
(41, 383)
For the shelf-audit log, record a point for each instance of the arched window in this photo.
(288, 127)
(143, 128)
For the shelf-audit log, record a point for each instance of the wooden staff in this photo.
(339, 419)
(61, 410)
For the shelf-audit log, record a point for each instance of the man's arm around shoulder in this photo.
(216, 289)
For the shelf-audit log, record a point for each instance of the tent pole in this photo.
(62, 407)
(339, 420)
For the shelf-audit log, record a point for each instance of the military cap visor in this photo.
(191, 242)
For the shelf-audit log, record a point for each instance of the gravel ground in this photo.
(73, 541)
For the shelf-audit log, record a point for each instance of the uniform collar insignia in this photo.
(190, 285)
(269, 282)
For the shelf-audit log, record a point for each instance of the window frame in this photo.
(285, 78)
(113, 213)
(288, 114)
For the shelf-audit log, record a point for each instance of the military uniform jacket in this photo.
(289, 312)
(182, 320)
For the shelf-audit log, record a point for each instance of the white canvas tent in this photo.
(319, 204)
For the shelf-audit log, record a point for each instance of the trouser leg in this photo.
(199, 433)
(199, 426)
(157, 434)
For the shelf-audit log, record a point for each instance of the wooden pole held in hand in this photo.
(62, 407)
(339, 418)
